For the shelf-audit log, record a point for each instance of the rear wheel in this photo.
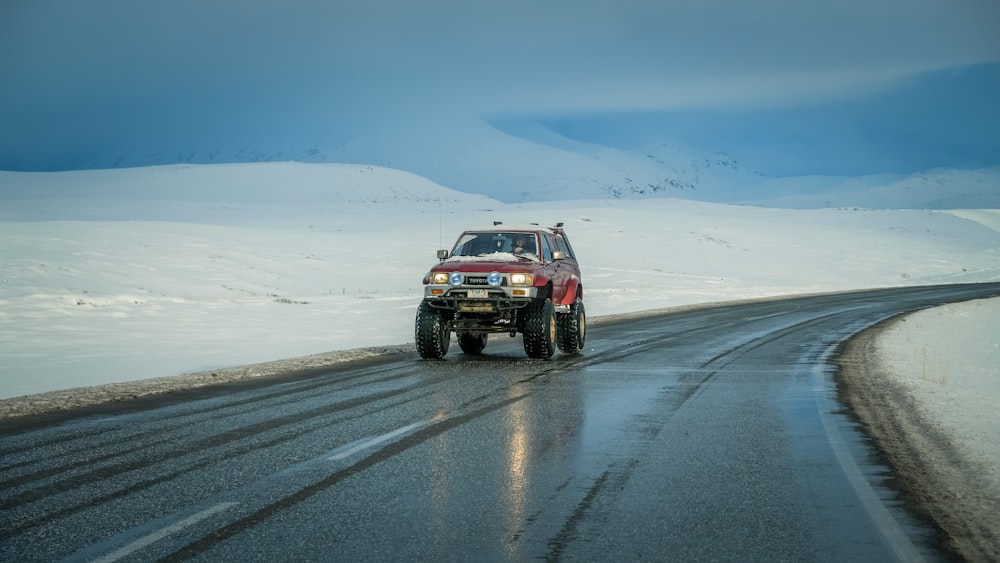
(572, 328)
(432, 334)
(540, 330)
(472, 344)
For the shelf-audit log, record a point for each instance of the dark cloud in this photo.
(75, 76)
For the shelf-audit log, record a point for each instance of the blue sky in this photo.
(80, 78)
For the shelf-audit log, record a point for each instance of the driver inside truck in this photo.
(523, 244)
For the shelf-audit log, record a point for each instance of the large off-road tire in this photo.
(540, 330)
(571, 328)
(472, 344)
(432, 334)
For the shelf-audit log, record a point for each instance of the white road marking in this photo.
(890, 530)
(162, 533)
(348, 451)
(377, 440)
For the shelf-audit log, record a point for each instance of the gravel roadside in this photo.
(54, 402)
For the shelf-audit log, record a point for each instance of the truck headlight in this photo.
(494, 279)
(522, 279)
(455, 278)
(439, 278)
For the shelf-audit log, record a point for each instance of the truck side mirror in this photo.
(442, 255)
(559, 255)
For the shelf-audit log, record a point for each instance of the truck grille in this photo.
(481, 280)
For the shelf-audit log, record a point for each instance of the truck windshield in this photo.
(484, 244)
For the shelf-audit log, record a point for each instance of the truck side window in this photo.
(546, 248)
(564, 248)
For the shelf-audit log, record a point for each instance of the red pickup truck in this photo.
(504, 280)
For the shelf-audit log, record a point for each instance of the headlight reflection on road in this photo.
(517, 464)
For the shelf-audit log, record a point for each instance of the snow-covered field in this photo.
(111, 276)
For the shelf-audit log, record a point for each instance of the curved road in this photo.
(702, 435)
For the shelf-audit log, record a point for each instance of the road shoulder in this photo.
(937, 472)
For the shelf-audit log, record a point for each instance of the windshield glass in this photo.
(496, 246)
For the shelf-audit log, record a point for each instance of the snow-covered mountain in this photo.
(932, 189)
(514, 162)
(523, 160)
(221, 193)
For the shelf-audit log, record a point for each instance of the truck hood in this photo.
(501, 263)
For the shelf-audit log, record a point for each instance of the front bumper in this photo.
(479, 299)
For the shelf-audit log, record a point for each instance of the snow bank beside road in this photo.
(948, 358)
(926, 386)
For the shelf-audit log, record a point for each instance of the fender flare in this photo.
(573, 290)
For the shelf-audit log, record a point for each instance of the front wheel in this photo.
(432, 334)
(572, 328)
(540, 330)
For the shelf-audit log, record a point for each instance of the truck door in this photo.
(560, 273)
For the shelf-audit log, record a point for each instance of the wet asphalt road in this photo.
(704, 435)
